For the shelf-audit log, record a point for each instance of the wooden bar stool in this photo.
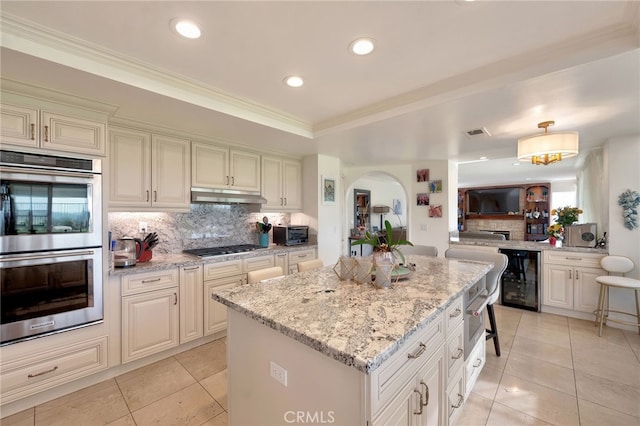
(617, 265)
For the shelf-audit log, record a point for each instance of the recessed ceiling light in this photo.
(483, 158)
(186, 28)
(362, 46)
(515, 164)
(294, 81)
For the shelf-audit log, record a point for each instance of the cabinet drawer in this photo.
(258, 262)
(300, 256)
(453, 316)
(573, 258)
(214, 271)
(473, 365)
(455, 351)
(387, 380)
(141, 283)
(52, 368)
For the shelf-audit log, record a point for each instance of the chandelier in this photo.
(547, 148)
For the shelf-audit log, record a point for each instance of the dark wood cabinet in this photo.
(536, 212)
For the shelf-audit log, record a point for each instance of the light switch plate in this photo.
(278, 373)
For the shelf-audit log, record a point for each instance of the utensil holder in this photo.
(264, 240)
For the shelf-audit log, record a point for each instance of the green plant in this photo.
(383, 243)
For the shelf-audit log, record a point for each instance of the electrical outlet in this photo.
(278, 373)
(423, 227)
(142, 227)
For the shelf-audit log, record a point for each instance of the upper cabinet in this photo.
(148, 171)
(217, 167)
(66, 131)
(281, 184)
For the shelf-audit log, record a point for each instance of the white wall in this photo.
(622, 157)
(383, 192)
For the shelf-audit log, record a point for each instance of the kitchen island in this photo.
(310, 348)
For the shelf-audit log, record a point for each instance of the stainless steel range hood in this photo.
(221, 196)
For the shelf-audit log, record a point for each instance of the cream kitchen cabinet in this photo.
(216, 167)
(281, 184)
(219, 276)
(148, 171)
(69, 131)
(191, 303)
(299, 256)
(569, 280)
(150, 313)
(282, 260)
(258, 262)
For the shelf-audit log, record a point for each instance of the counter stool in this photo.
(308, 265)
(264, 274)
(617, 265)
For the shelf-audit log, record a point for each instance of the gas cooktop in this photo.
(219, 251)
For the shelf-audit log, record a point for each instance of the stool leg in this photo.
(493, 333)
(637, 310)
(600, 310)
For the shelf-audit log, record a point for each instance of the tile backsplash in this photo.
(205, 225)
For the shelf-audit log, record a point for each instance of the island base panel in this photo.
(319, 389)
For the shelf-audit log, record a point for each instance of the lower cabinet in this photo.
(215, 313)
(299, 256)
(474, 364)
(191, 303)
(282, 260)
(569, 280)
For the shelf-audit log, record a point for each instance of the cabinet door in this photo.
(210, 166)
(215, 313)
(431, 382)
(191, 306)
(170, 172)
(19, 125)
(558, 286)
(271, 187)
(586, 290)
(403, 409)
(292, 185)
(282, 260)
(149, 323)
(130, 168)
(245, 171)
(72, 134)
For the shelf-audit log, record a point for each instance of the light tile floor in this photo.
(553, 371)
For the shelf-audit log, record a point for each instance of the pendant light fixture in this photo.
(547, 148)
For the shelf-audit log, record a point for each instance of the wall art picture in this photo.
(422, 199)
(397, 206)
(328, 191)
(435, 210)
(435, 185)
(422, 175)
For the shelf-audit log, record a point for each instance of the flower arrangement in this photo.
(556, 230)
(629, 200)
(566, 216)
(383, 244)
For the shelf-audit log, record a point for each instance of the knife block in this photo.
(146, 254)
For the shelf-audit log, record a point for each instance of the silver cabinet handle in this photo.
(570, 274)
(281, 202)
(573, 258)
(455, 313)
(42, 373)
(33, 132)
(417, 353)
(45, 256)
(577, 277)
(458, 355)
(419, 412)
(175, 298)
(426, 393)
(46, 133)
(460, 399)
(227, 181)
(151, 281)
(479, 361)
(285, 201)
(193, 268)
(155, 195)
(233, 180)
(147, 195)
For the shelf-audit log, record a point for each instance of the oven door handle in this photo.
(48, 172)
(19, 257)
(477, 307)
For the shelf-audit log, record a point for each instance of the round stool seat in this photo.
(617, 281)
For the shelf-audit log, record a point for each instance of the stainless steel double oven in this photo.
(50, 244)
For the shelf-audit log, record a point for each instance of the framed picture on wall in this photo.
(422, 175)
(397, 206)
(435, 210)
(328, 190)
(435, 185)
(422, 199)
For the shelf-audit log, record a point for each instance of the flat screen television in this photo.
(493, 201)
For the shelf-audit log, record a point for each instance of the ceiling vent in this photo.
(477, 132)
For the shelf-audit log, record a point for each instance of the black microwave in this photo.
(290, 235)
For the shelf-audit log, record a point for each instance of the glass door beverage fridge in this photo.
(520, 283)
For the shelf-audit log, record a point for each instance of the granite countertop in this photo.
(163, 261)
(524, 245)
(355, 324)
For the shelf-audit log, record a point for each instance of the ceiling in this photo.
(439, 69)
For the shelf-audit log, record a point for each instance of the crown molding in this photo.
(45, 43)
